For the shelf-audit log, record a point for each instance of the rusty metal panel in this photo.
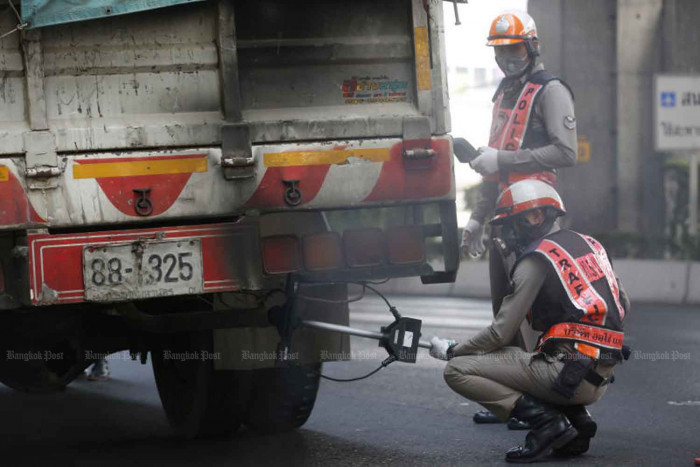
(312, 70)
(140, 80)
(335, 69)
(333, 79)
(13, 90)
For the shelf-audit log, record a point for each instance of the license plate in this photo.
(142, 270)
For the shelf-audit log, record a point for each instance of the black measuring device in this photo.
(464, 151)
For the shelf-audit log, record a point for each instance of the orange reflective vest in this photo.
(510, 130)
(580, 301)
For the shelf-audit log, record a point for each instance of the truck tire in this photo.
(282, 398)
(199, 401)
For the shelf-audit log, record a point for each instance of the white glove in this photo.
(472, 241)
(486, 163)
(439, 347)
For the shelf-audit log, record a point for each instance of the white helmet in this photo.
(525, 195)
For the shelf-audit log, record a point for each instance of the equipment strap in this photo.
(595, 379)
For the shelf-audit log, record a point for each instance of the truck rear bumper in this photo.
(229, 261)
(126, 265)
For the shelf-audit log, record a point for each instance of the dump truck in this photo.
(186, 179)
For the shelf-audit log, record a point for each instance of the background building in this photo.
(609, 52)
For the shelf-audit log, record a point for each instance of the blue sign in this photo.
(668, 99)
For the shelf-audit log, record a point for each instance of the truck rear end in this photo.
(171, 175)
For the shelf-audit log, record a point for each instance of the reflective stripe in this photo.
(605, 265)
(509, 125)
(520, 118)
(109, 168)
(577, 286)
(4, 174)
(595, 336)
(591, 351)
(422, 45)
(337, 156)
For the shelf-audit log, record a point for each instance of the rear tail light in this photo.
(364, 248)
(327, 251)
(406, 244)
(323, 252)
(281, 254)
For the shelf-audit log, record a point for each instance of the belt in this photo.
(592, 338)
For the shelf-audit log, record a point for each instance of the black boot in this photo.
(517, 424)
(550, 430)
(585, 425)
(486, 416)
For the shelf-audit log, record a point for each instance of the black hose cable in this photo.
(384, 364)
(324, 300)
(392, 308)
(388, 360)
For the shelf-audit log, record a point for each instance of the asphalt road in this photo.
(404, 415)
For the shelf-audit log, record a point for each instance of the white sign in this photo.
(677, 112)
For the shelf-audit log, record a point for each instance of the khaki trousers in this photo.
(496, 380)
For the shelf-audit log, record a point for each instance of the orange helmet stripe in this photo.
(508, 29)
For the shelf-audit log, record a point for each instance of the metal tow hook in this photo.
(143, 205)
(293, 195)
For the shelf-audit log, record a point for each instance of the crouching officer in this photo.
(563, 283)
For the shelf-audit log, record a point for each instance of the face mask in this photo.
(527, 233)
(510, 239)
(513, 66)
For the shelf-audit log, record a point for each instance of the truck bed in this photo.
(192, 102)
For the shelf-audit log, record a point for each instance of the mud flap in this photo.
(255, 347)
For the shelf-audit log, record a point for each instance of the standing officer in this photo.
(533, 132)
(563, 283)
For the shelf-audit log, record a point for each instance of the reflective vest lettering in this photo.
(508, 128)
(606, 267)
(586, 335)
(509, 125)
(576, 282)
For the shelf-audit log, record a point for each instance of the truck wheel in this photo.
(199, 401)
(282, 398)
